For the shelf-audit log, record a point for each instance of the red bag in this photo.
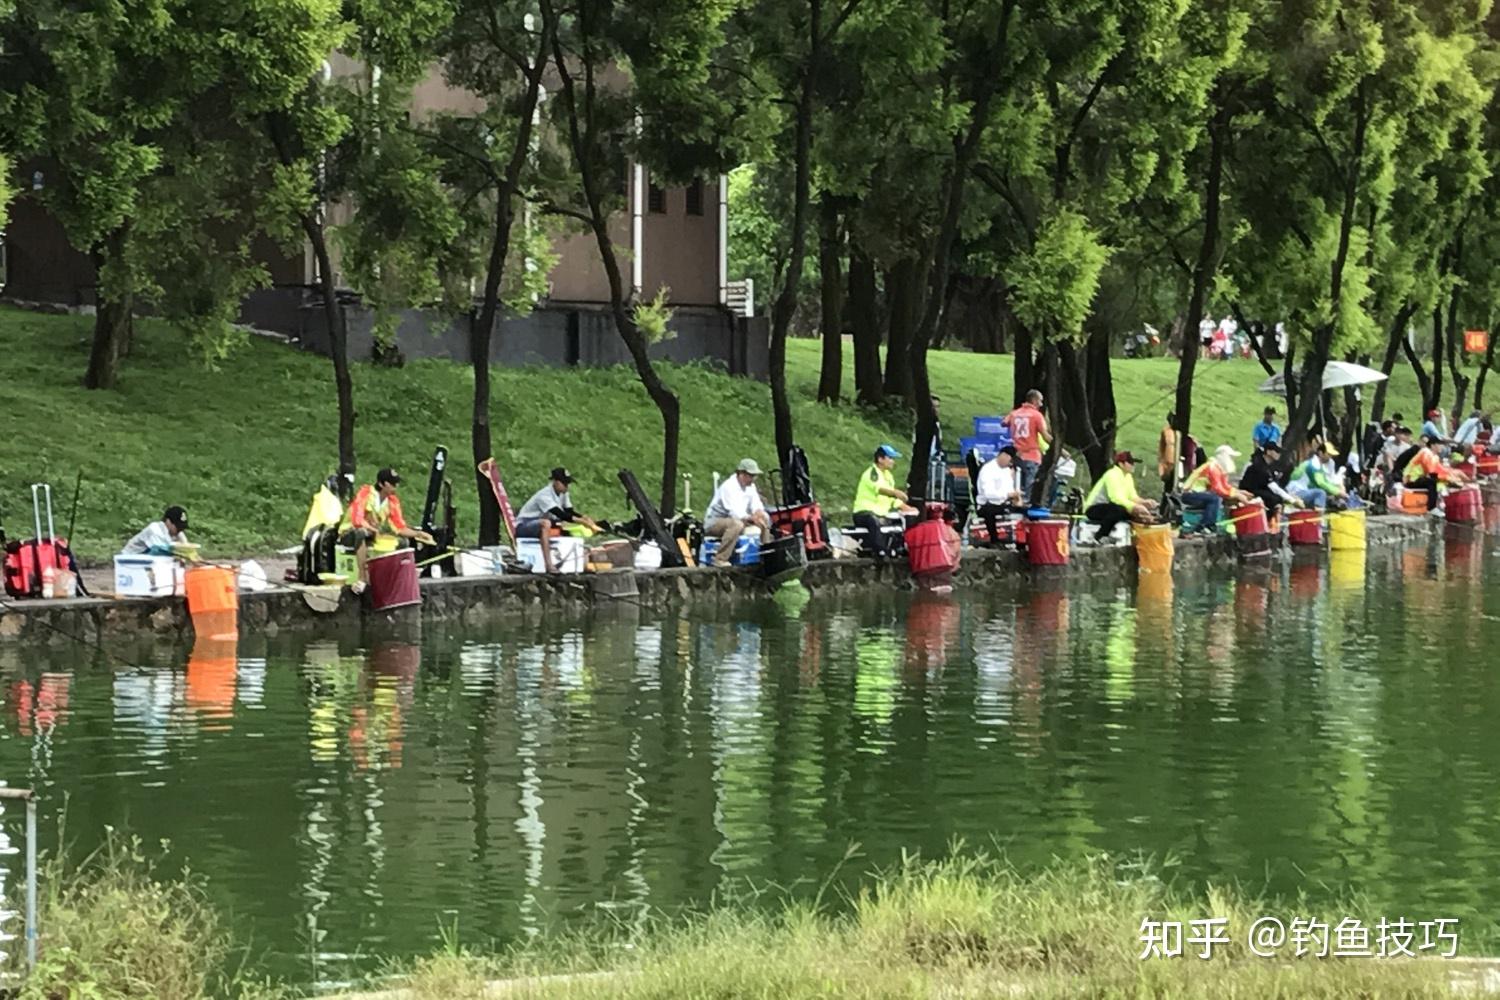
(27, 562)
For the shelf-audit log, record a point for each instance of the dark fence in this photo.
(556, 335)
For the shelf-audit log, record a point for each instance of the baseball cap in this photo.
(176, 515)
(749, 466)
(1121, 457)
(888, 451)
(1329, 450)
(387, 475)
(1432, 413)
(562, 475)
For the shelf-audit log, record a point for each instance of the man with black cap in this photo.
(158, 537)
(1261, 479)
(374, 520)
(548, 509)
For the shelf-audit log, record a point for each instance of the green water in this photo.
(1306, 729)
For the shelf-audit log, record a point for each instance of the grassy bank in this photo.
(243, 448)
(966, 927)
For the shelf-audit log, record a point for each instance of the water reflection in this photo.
(1315, 726)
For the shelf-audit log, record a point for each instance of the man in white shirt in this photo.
(158, 537)
(998, 491)
(736, 505)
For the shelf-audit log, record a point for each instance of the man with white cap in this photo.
(736, 506)
(1207, 487)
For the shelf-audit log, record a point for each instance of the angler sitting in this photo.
(998, 491)
(877, 501)
(1426, 470)
(736, 506)
(1207, 488)
(1313, 483)
(549, 508)
(1262, 481)
(374, 520)
(158, 537)
(1114, 501)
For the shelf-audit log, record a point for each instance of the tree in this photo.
(635, 81)
(498, 51)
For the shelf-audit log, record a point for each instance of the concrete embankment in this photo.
(475, 601)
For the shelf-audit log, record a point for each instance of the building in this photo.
(671, 237)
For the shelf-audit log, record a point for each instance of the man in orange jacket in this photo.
(376, 513)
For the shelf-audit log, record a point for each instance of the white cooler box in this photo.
(568, 554)
(488, 561)
(148, 576)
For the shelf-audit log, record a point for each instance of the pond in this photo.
(1307, 728)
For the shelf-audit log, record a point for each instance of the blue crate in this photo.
(746, 551)
(986, 448)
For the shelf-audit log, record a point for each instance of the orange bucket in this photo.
(212, 600)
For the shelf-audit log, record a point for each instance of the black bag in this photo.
(783, 558)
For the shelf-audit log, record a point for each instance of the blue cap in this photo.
(888, 451)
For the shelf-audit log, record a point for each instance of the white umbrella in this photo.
(1336, 375)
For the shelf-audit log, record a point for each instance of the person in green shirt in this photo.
(877, 501)
(1114, 500)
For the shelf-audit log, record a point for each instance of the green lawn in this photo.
(244, 447)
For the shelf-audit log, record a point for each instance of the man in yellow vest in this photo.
(877, 501)
(1114, 501)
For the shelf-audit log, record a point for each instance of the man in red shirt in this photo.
(1028, 431)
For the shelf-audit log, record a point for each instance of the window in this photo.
(695, 197)
(656, 199)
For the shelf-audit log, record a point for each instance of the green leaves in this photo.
(1055, 282)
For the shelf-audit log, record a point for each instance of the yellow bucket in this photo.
(1346, 569)
(1346, 531)
(1153, 547)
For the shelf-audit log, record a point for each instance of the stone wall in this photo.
(476, 601)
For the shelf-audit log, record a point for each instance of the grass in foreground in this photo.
(970, 927)
(244, 448)
(967, 927)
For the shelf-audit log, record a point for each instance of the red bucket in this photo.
(1047, 543)
(1249, 519)
(393, 580)
(1489, 465)
(1464, 506)
(1305, 527)
(932, 547)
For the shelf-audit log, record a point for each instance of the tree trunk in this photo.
(1424, 381)
(786, 302)
(1437, 360)
(582, 126)
(935, 278)
(1203, 276)
(482, 328)
(1388, 365)
(864, 319)
(902, 291)
(1460, 380)
(112, 324)
(113, 319)
(831, 264)
(1023, 377)
(481, 333)
(1050, 366)
(338, 342)
(1100, 385)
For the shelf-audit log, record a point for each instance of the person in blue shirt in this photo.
(1436, 428)
(1266, 432)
